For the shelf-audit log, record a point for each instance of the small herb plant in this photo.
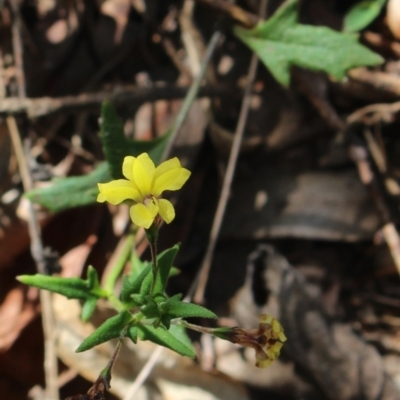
(143, 309)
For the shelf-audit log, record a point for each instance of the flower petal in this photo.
(127, 167)
(173, 179)
(142, 216)
(143, 173)
(117, 191)
(166, 166)
(166, 210)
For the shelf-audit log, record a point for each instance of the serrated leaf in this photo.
(164, 338)
(165, 260)
(180, 309)
(362, 14)
(282, 42)
(88, 308)
(65, 193)
(116, 146)
(110, 329)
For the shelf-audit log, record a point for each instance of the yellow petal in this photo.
(266, 318)
(117, 191)
(264, 364)
(166, 166)
(173, 179)
(143, 173)
(166, 210)
(262, 359)
(142, 215)
(127, 167)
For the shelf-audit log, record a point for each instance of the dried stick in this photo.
(50, 362)
(192, 94)
(247, 19)
(360, 156)
(37, 250)
(144, 373)
(202, 277)
(47, 105)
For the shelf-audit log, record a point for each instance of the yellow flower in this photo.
(144, 185)
(267, 340)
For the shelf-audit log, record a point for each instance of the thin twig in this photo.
(192, 94)
(247, 19)
(37, 250)
(50, 362)
(379, 111)
(18, 49)
(47, 105)
(202, 277)
(144, 373)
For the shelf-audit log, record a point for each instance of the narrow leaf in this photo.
(88, 308)
(180, 309)
(110, 329)
(72, 288)
(282, 42)
(132, 334)
(165, 260)
(362, 14)
(132, 284)
(71, 192)
(164, 338)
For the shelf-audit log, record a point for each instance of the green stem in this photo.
(119, 265)
(197, 328)
(152, 236)
(118, 305)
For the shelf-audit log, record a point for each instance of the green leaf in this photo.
(180, 333)
(362, 14)
(164, 260)
(132, 333)
(116, 146)
(179, 309)
(131, 285)
(71, 192)
(150, 310)
(110, 329)
(79, 191)
(88, 290)
(88, 308)
(72, 288)
(282, 42)
(164, 338)
(146, 285)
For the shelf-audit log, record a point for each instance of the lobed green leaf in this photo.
(282, 42)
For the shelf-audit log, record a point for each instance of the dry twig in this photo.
(202, 277)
